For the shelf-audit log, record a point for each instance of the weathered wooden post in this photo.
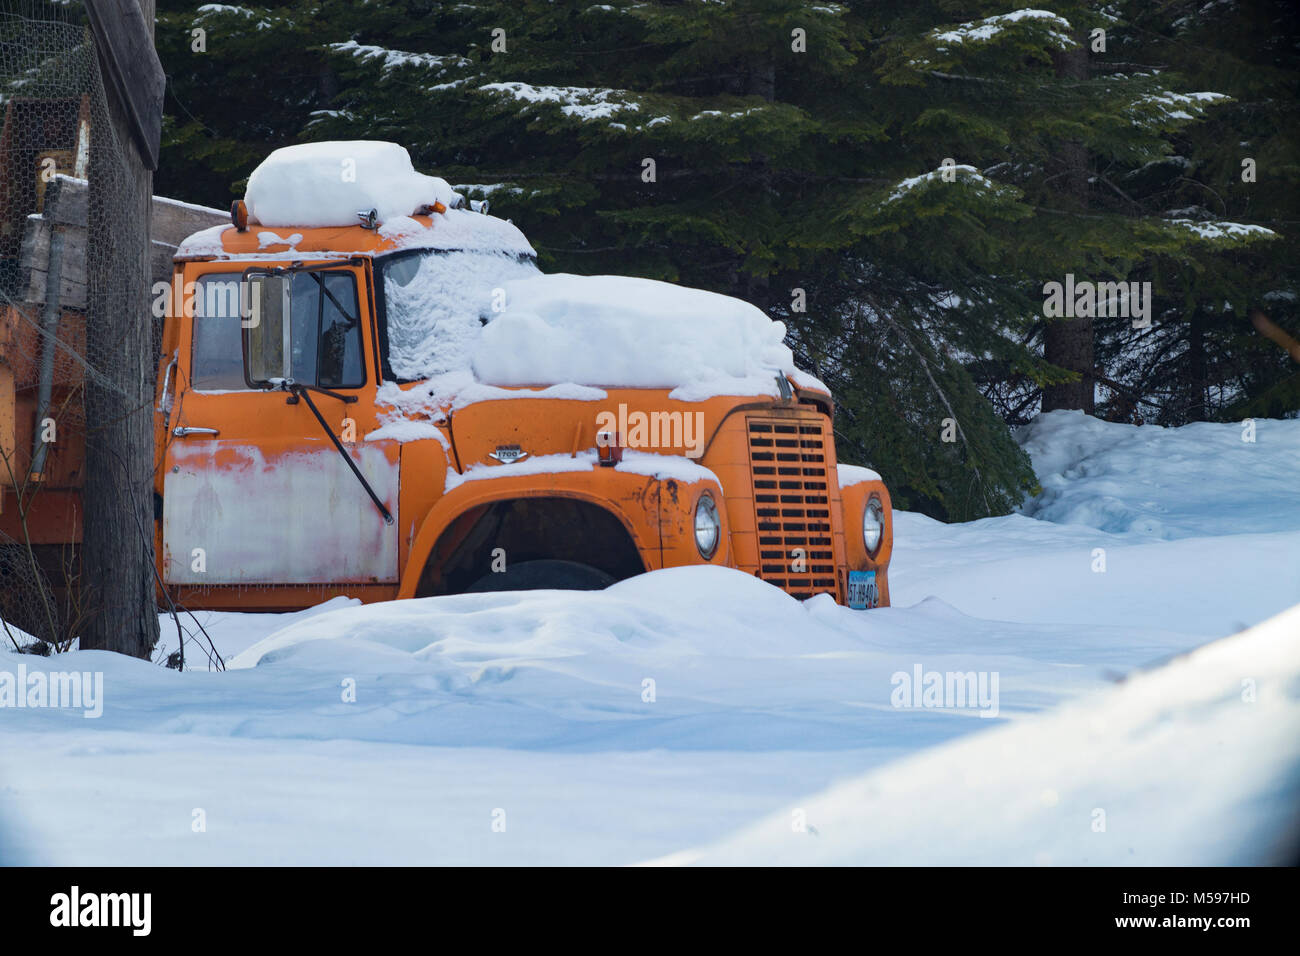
(117, 547)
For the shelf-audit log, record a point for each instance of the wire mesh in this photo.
(54, 376)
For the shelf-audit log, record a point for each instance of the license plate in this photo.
(862, 590)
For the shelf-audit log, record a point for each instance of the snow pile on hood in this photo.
(327, 184)
(1198, 480)
(617, 330)
(571, 334)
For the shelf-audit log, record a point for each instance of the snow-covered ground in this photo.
(699, 714)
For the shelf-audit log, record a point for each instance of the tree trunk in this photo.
(1198, 373)
(1068, 342)
(117, 555)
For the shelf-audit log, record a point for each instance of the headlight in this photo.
(873, 525)
(707, 526)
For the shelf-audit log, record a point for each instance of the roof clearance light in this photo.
(239, 215)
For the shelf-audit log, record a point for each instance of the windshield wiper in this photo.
(297, 390)
(352, 320)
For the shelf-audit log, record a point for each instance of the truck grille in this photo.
(792, 504)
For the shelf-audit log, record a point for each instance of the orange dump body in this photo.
(256, 508)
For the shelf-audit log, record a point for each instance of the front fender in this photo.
(650, 508)
(853, 499)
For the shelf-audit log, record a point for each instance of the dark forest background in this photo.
(798, 156)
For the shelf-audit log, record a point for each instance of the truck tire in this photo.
(543, 574)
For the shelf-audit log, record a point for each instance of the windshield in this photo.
(432, 306)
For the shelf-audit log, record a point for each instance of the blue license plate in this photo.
(862, 590)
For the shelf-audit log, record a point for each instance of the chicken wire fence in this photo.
(69, 313)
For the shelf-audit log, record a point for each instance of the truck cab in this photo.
(297, 462)
(395, 402)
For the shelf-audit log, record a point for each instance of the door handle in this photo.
(180, 431)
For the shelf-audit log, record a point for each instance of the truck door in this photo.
(255, 492)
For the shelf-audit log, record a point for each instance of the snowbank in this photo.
(1189, 528)
(716, 642)
(664, 713)
(1196, 762)
(617, 330)
(327, 184)
(1198, 480)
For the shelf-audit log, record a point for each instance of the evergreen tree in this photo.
(896, 181)
(1204, 358)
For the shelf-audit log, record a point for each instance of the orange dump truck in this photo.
(405, 406)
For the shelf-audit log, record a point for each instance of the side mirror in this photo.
(268, 330)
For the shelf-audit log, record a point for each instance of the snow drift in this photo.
(1202, 479)
(1189, 528)
(668, 714)
(1076, 787)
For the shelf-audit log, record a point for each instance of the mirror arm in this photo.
(300, 391)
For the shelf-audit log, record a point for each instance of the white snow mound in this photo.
(327, 184)
(1166, 768)
(607, 330)
(1205, 478)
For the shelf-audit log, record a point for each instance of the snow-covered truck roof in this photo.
(453, 229)
(308, 198)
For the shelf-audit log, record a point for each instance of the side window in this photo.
(217, 357)
(323, 335)
(326, 337)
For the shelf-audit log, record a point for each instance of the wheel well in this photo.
(527, 529)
